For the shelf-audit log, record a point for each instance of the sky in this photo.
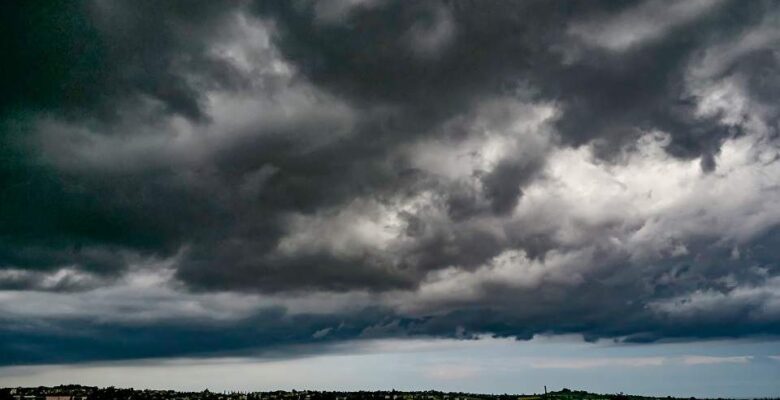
(484, 196)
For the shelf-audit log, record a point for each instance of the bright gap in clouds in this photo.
(744, 368)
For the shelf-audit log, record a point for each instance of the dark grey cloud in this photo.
(383, 168)
(608, 95)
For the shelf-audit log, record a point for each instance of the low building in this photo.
(59, 397)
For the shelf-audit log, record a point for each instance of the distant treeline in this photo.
(78, 392)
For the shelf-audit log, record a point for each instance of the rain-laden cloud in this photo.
(197, 178)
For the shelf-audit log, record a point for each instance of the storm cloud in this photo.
(257, 174)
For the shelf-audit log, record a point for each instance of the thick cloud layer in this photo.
(260, 174)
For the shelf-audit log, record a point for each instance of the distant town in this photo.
(78, 392)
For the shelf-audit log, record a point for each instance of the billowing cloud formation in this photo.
(247, 175)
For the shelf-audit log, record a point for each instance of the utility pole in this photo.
(545, 391)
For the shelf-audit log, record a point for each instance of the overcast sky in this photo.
(448, 194)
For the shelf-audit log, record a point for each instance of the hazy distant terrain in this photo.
(77, 392)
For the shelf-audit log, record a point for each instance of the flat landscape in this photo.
(78, 392)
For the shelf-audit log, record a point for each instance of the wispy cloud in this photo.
(705, 360)
(636, 362)
(580, 363)
(450, 372)
(647, 21)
